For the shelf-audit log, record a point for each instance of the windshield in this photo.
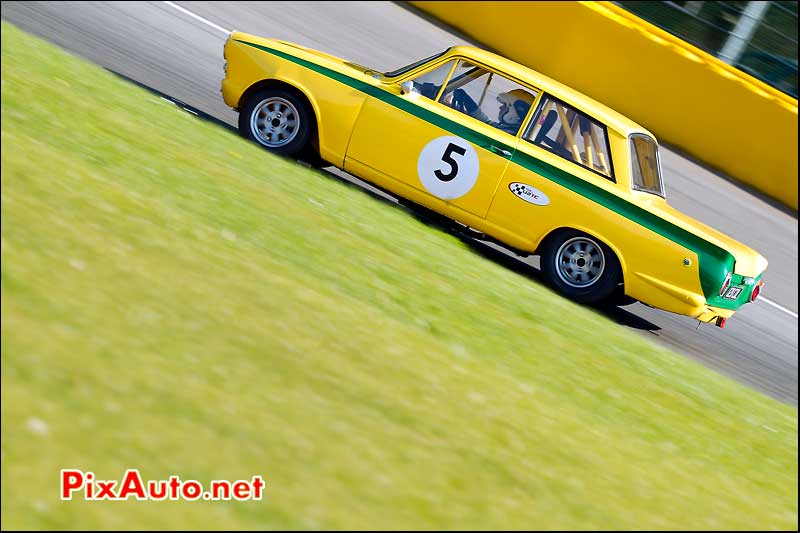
(403, 70)
(646, 167)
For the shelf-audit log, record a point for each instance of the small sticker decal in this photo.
(448, 167)
(532, 195)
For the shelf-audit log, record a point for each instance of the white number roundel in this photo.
(448, 167)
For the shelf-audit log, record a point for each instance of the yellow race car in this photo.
(506, 151)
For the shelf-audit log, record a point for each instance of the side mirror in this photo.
(407, 87)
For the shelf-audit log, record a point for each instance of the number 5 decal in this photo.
(448, 167)
(447, 158)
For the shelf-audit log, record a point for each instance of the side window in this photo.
(569, 133)
(429, 83)
(488, 97)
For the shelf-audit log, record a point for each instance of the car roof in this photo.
(601, 112)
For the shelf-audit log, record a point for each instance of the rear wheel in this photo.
(580, 267)
(618, 298)
(278, 120)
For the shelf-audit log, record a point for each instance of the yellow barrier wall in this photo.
(685, 96)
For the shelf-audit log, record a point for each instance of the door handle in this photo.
(499, 151)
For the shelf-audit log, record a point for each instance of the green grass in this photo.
(177, 300)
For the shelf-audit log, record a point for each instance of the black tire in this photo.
(287, 119)
(310, 156)
(618, 298)
(585, 276)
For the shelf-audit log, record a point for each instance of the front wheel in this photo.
(580, 267)
(277, 120)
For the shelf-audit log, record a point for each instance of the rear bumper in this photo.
(679, 300)
(710, 314)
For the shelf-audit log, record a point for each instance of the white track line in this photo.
(198, 17)
(223, 30)
(773, 304)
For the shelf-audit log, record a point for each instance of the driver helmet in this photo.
(516, 104)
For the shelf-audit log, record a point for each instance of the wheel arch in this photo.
(273, 83)
(595, 235)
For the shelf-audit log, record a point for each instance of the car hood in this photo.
(314, 55)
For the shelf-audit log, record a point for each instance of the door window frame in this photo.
(611, 176)
(439, 61)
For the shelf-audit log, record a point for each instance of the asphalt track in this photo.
(168, 48)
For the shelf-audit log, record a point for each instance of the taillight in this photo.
(756, 291)
(726, 283)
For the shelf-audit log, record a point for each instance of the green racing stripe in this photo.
(714, 262)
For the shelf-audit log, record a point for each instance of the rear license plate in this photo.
(733, 293)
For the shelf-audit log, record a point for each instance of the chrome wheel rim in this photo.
(275, 122)
(580, 262)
